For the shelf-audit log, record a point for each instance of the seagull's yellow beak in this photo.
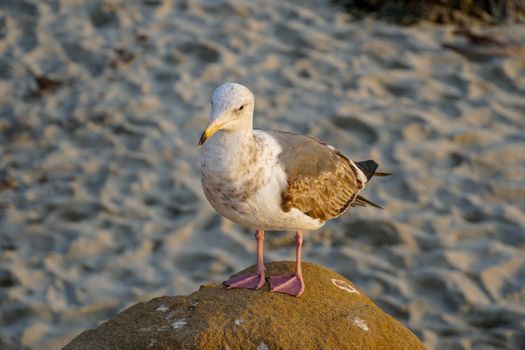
(211, 129)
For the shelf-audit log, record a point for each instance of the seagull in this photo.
(274, 180)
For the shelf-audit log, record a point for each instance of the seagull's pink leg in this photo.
(291, 284)
(254, 280)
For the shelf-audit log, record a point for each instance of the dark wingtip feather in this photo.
(368, 167)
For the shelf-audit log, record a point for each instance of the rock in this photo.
(331, 314)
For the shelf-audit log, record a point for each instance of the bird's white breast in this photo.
(244, 183)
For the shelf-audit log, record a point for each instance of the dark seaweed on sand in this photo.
(408, 12)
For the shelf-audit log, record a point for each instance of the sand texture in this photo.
(101, 107)
(331, 314)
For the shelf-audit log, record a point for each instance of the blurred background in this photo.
(102, 104)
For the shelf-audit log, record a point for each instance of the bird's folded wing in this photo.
(322, 182)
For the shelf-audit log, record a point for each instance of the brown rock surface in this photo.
(331, 314)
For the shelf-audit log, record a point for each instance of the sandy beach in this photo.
(101, 107)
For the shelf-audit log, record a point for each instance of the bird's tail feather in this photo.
(368, 167)
(363, 202)
(380, 173)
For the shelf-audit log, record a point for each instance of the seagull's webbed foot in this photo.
(288, 284)
(291, 284)
(254, 280)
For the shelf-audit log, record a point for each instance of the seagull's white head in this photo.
(232, 107)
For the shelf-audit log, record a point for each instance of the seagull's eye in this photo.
(241, 108)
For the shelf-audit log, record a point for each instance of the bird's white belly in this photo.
(262, 209)
(253, 198)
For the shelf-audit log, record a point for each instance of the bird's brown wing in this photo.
(322, 182)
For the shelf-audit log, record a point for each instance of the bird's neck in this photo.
(232, 141)
(229, 149)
